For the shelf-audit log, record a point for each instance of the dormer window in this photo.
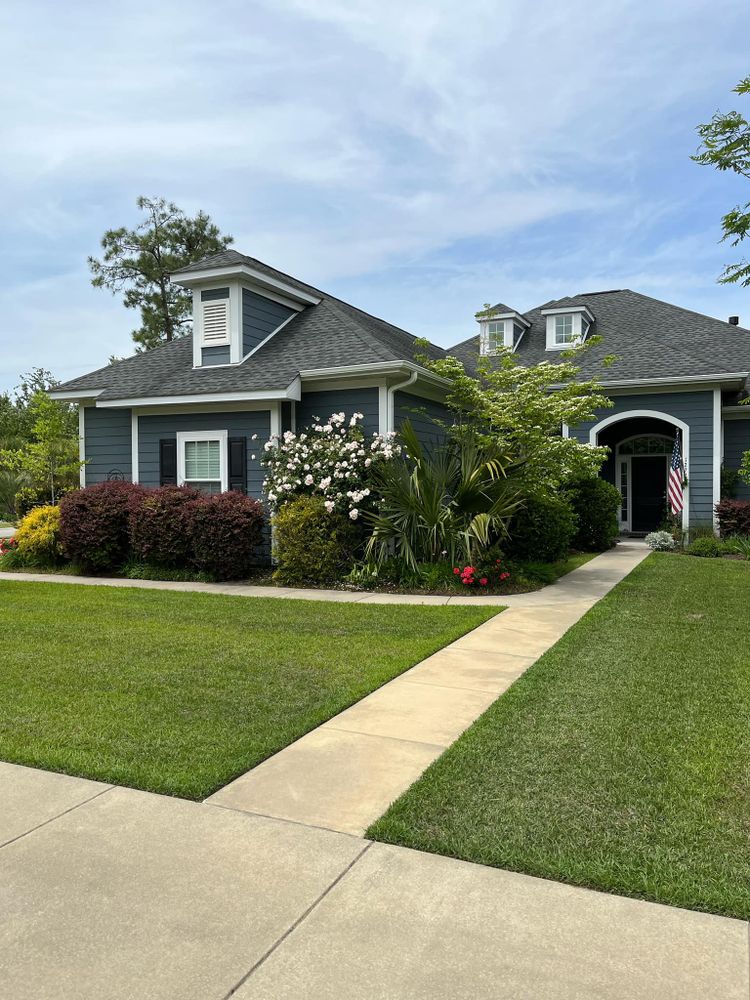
(501, 331)
(567, 327)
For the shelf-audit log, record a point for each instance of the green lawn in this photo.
(180, 692)
(619, 761)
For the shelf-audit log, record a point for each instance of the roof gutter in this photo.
(377, 368)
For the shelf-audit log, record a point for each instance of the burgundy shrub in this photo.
(226, 530)
(733, 517)
(160, 533)
(94, 525)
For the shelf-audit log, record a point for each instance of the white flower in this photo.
(309, 480)
(252, 458)
(368, 463)
(329, 505)
(271, 497)
(254, 437)
(354, 514)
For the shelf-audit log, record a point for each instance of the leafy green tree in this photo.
(136, 263)
(725, 145)
(522, 410)
(16, 417)
(38, 442)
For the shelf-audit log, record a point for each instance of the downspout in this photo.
(391, 399)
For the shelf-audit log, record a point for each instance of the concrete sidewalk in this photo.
(344, 775)
(587, 577)
(118, 894)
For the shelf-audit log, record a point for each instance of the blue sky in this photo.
(418, 159)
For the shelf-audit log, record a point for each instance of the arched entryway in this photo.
(640, 444)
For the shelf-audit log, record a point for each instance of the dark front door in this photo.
(649, 485)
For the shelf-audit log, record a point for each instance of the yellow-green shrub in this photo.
(38, 537)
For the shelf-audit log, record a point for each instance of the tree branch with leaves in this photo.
(136, 263)
(725, 145)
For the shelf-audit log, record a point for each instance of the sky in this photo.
(417, 159)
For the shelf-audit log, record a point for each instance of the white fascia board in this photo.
(735, 412)
(377, 368)
(683, 380)
(565, 310)
(74, 394)
(516, 316)
(243, 271)
(291, 392)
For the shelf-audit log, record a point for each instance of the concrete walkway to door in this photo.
(344, 775)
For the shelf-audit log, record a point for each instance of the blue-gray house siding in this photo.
(736, 442)
(322, 404)
(244, 423)
(696, 410)
(260, 317)
(423, 414)
(108, 445)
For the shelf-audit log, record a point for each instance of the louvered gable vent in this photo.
(215, 322)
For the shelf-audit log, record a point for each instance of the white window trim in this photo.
(509, 320)
(579, 315)
(222, 436)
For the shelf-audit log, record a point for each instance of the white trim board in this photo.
(134, 447)
(82, 446)
(616, 418)
(244, 271)
(221, 436)
(718, 456)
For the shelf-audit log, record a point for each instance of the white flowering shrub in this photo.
(333, 460)
(660, 541)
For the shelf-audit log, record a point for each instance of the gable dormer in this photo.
(500, 328)
(237, 309)
(567, 326)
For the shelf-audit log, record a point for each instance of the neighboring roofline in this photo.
(378, 368)
(188, 278)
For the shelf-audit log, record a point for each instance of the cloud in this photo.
(419, 158)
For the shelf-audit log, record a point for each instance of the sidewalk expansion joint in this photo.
(279, 819)
(52, 819)
(290, 930)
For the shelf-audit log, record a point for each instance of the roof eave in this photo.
(197, 277)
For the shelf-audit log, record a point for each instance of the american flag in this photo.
(676, 476)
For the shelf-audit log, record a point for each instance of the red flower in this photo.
(483, 581)
(456, 570)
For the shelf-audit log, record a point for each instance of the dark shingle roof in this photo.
(331, 334)
(650, 338)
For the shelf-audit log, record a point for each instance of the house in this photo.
(674, 370)
(269, 353)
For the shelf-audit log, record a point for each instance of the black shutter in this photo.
(168, 462)
(238, 464)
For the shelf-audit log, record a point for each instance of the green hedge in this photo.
(312, 546)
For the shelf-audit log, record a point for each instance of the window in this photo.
(495, 336)
(647, 444)
(202, 460)
(564, 329)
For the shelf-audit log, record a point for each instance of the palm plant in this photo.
(452, 502)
